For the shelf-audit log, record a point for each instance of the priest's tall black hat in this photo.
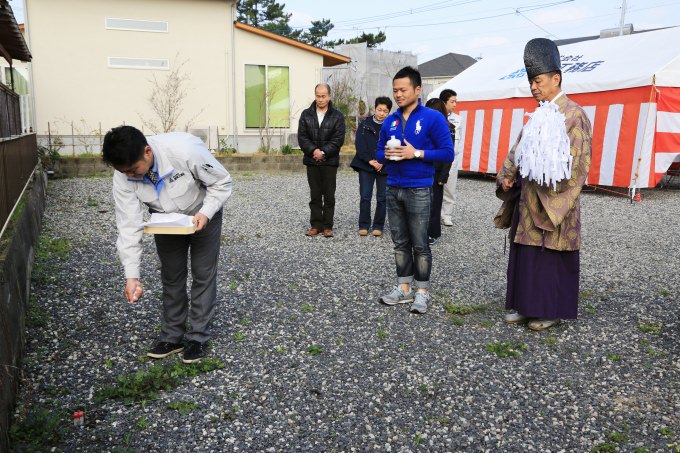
(541, 56)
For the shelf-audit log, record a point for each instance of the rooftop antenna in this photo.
(623, 17)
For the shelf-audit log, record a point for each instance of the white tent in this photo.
(629, 86)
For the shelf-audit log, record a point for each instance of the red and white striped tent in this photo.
(629, 87)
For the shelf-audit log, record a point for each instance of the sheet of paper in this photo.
(169, 220)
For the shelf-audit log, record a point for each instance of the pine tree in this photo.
(270, 15)
(372, 40)
(317, 32)
(266, 14)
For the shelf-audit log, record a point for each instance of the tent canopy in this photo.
(590, 66)
(628, 86)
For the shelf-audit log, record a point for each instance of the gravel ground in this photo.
(383, 379)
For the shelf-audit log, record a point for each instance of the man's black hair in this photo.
(384, 100)
(412, 74)
(123, 146)
(323, 85)
(447, 94)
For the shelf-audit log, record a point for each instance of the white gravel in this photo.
(386, 380)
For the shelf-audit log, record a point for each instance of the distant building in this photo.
(14, 73)
(245, 89)
(442, 69)
(369, 74)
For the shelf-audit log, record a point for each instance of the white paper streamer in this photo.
(543, 154)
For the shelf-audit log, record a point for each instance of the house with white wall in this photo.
(95, 63)
(14, 73)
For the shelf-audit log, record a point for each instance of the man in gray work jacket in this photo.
(170, 173)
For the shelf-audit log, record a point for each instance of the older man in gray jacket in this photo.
(170, 173)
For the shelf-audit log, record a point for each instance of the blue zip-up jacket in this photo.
(426, 130)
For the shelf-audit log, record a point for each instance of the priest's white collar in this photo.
(557, 97)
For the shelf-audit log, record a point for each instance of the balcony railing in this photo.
(10, 112)
(18, 158)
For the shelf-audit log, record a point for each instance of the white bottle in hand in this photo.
(393, 143)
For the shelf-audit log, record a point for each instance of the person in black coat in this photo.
(370, 170)
(321, 133)
(441, 175)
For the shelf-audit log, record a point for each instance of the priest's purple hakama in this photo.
(542, 283)
(545, 229)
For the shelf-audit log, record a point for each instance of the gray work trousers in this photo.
(172, 249)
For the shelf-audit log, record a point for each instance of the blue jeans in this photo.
(435, 230)
(409, 213)
(366, 181)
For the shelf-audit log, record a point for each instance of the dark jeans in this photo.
(435, 229)
(409, 213)
(321, 179)
(366, 181)
(173, 250)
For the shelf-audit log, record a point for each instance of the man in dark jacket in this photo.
(321, 133)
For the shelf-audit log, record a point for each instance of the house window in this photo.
(154, 26)
(267, 96)
(139, 63)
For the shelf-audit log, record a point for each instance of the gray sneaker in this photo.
(420, 304)
(397, 296)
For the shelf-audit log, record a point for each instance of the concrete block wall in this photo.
(17, 251)
(257, 163)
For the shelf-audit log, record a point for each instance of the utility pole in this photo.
(623, 17)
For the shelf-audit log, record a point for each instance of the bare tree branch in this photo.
(167, 99)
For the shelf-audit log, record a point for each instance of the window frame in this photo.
(144, 68)
(266, 90)
(108, 27)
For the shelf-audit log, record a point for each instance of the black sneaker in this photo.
(432, 241)
(164, 349)
(194, 352)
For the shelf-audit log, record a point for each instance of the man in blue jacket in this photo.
(425, 139)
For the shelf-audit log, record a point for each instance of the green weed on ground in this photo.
(617, 437)
(456, 312)
(183, 407)
(36, 316)
(314, 350)
(162, 376)
(53, 248)
(648, 327)
(605, 448)
(48, 251)
(585, 294)
(382, 334)
(39, 430)
(505, 349)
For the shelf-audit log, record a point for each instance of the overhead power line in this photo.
(407, 12)
(493, 16)
(522, 15)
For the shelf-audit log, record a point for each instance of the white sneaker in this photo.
(419, 306)
(446, 220)
(515, 318)
(542, 324)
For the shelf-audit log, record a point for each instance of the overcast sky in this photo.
(430, 28)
